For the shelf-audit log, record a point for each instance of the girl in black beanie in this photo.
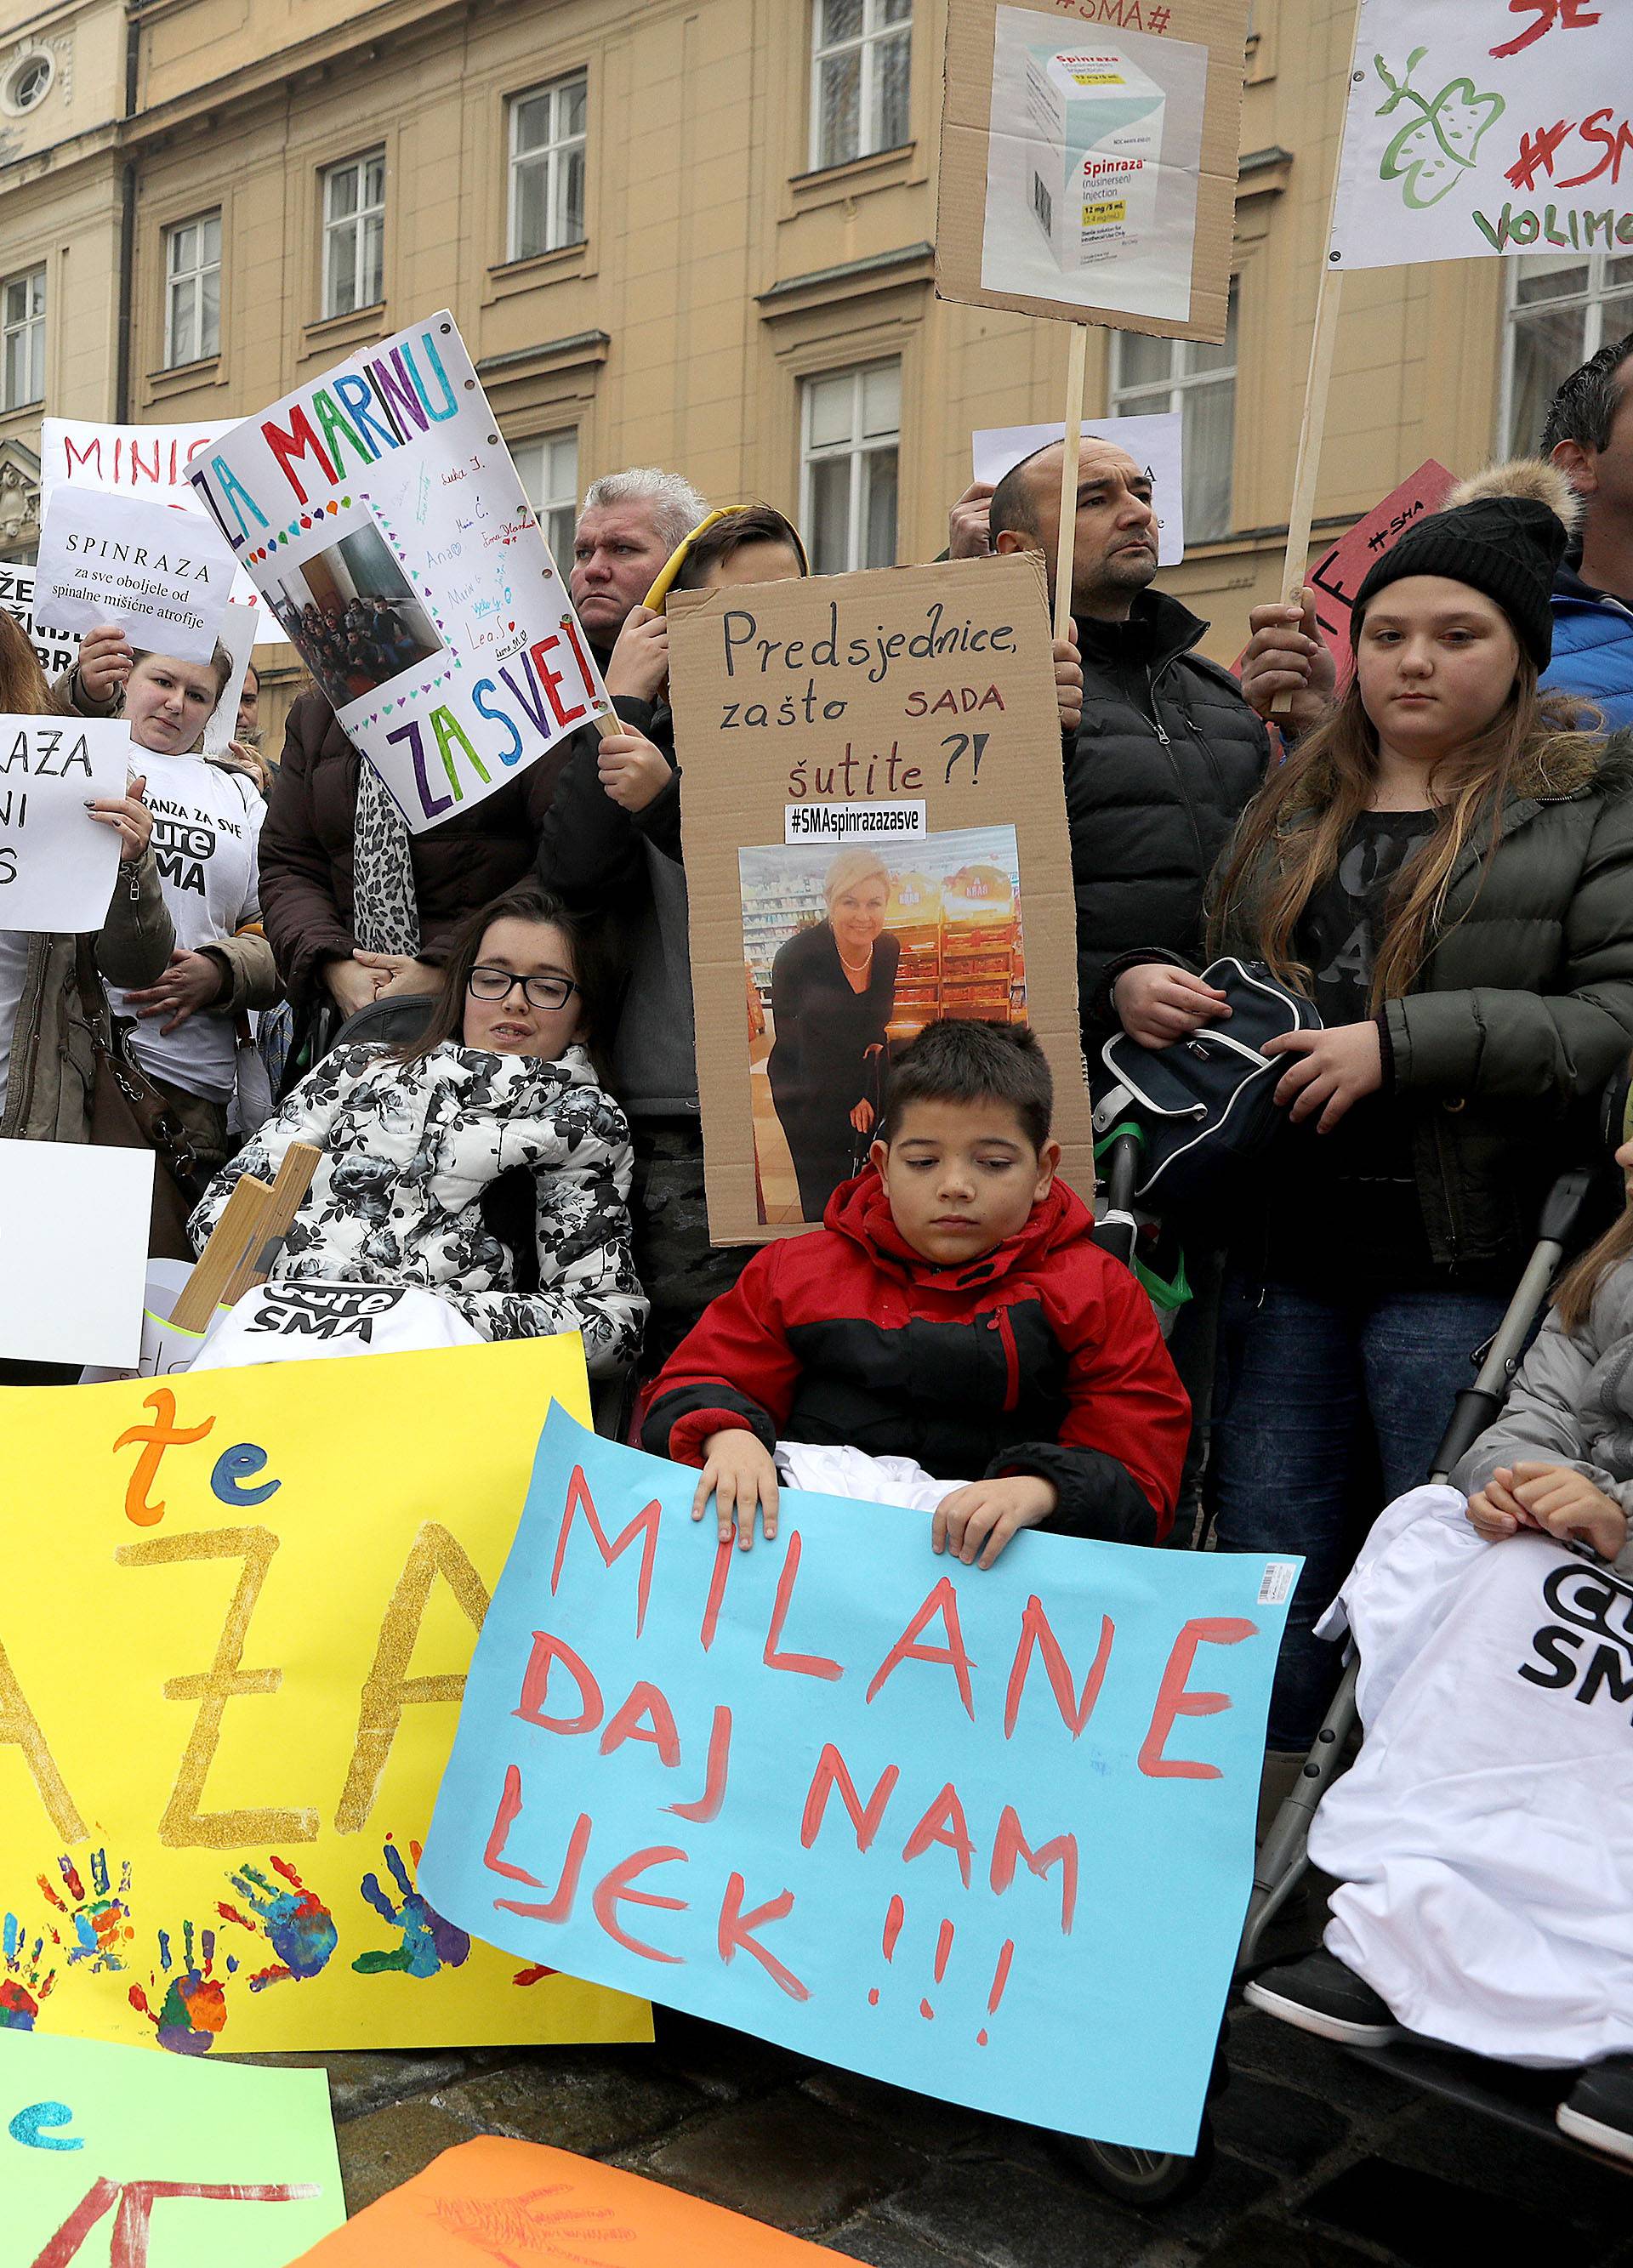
(1444, 864)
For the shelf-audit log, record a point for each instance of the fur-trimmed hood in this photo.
(1534, 477)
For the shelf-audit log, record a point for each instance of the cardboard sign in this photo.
(113, 2161)
(1339, 574)
(516, 2201)
(139, 460)
(57, 864)
(1154, 442)
(889, 1810)
(229, 1692)
(1478, 126)
(852, 694)
(162, 579)
(73, 1260)
(378, 513)
(1088, 165)
(53, 653)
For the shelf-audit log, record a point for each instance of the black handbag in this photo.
(1204, 1105)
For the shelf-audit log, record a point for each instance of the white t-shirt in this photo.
(298, 1321)
(206, 829)
(14, 943)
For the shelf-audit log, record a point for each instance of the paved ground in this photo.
(1323, 2161)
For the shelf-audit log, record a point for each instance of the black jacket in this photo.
(1166, 759)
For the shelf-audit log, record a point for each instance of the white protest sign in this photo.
(163, 579)
(165, 1349)
(58, 863)
(54, 653)
(144, 460)
(73, 1251)
(1477, 127)
(1155, 443)
(378, 513)
(237, 638)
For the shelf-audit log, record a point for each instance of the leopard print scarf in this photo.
(385, 917)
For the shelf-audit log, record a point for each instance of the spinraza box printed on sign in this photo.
(1097, 132)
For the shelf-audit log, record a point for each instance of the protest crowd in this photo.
(1353, 958)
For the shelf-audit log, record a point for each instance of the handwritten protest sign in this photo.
(163, 580)
(54, 653)
(889, 1810)
(1154, 443)
(73, 1257)
(1478, 126)
(113, 2161)
(516, 2200)
(228, 1691)
(378, 513)
(1088, 162)
(140, 460)
(1340, 572)
(57, 864)
(807, 711)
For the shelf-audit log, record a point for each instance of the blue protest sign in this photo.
(984, 1833)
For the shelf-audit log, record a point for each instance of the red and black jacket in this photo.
(1041, 1357)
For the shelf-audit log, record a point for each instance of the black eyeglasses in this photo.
(538, 991)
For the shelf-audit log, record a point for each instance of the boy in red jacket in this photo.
(953, 1310)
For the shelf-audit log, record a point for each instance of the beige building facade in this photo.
(696, 234)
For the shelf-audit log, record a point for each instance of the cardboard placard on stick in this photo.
(1088, 171)
(805, 710)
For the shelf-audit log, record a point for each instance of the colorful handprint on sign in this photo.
(192, 2009)
(299, 1926)
(1431, 150)
(429, 1944)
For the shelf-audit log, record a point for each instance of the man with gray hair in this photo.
(629, 523)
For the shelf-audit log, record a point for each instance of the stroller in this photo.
(1521, 2097)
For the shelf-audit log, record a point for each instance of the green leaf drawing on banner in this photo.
(1431, 150)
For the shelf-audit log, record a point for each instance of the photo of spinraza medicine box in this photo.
(1097, 133)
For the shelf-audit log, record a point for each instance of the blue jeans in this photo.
(1298, 1380)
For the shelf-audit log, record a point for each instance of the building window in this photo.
(547, 132)
(28, 82)
(22, 338)
(861, 52)
(354, 234)
(1152, 375)
(193, 290)
(549, 468)
(850, 436)
(1562, 308)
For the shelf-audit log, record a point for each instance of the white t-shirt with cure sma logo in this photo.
(206, 831)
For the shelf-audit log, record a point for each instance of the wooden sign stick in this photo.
(1066, 541)
(232, 1235)
(1323, 337)
(294, 1179)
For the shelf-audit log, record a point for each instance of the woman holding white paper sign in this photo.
(53, 1012)
(208, 823)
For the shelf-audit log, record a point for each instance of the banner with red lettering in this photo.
(1477, 127)
(984, 1832)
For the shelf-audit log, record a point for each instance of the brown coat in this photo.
(307, 887)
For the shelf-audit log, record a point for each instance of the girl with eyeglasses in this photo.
(482, 1161)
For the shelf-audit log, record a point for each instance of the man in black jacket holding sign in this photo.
(1168, 752)
(1164, 760)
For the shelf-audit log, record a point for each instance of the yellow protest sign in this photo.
(229, 1679)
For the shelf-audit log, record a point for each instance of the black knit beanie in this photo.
(1504, 534)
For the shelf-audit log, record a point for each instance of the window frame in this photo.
(866, 43)
(1143, 398)
(544, 507)
(858, 447)
(550, 156)
(1591, 299)
(32, 322)
(196, 274)
(332, 228)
